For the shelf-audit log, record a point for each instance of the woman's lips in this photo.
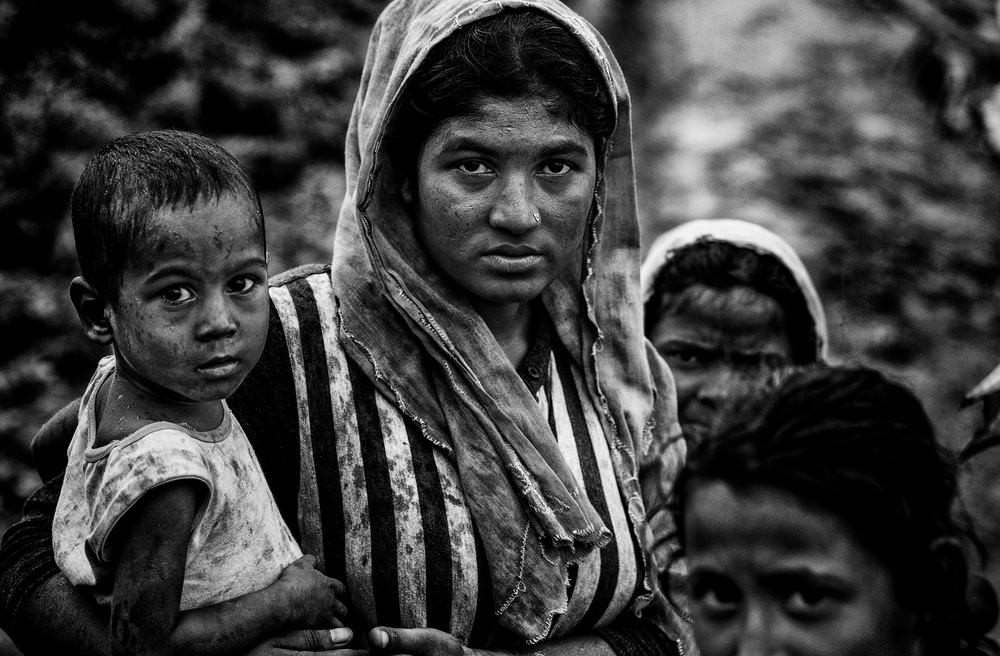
(514, 259)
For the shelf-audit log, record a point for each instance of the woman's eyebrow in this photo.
(552, 148)
(562, 147)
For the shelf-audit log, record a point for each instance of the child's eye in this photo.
(177, 294)
(241, 284)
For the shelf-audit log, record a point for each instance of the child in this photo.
(165, 513)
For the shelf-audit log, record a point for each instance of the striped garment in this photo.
(382, 506)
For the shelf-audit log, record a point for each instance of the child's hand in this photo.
(310, 596)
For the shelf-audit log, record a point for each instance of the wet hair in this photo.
(510, 55)
(854, 444)
(133, 177)
(722, 266)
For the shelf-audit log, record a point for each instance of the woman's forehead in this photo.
(738, 306)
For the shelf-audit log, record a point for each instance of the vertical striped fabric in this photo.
(383, 507)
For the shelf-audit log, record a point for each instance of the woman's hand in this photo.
(415, 642)
(312, 598)
(315, 642)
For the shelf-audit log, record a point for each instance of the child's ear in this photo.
(93, 310)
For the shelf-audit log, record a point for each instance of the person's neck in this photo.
(510, 324)
(139, 397)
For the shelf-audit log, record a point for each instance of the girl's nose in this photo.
(759, 636)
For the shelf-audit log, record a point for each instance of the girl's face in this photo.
(714, 340)
(771, 576)
(503, 197)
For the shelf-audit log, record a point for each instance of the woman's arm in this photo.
(39, 609)
(633, 637)
(145, 615)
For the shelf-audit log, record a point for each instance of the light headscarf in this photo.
(744, 235)
(419, 340)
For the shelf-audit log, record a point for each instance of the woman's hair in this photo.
(509, 55)
(859, 446)
(722, 266)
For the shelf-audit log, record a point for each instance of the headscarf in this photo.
(745, 235)
(417, 337)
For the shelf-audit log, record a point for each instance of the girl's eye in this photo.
(809, 601)
(241, 284)
(716, 595)
(472, 167)
(177, 295)
(556, 168)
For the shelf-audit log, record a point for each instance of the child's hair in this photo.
(134, 176)
(513, 54)
(859, 446)
(722, 266)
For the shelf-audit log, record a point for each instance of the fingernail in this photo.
(379, 639)
(341, 635)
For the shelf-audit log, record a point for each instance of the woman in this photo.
(819, 521)
(727, 302)
(452, 414)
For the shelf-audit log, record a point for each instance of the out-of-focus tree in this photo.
(956, 61)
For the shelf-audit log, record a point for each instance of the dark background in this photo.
(803, 116)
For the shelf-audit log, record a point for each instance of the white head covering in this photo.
(745, 235)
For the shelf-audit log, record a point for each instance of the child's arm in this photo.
(145, 618)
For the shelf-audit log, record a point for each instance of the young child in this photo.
(165, 513)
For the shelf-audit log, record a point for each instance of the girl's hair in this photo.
(859, 446)
(509, 55)
(722, 266)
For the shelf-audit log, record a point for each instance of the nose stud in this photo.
(537, 217)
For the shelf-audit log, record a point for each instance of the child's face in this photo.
(769, 575)
(193, 305)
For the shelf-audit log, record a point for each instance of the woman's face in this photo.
(715, 340)
(503, 197)
(769, 575)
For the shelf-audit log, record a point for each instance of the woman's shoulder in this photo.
(301, 272)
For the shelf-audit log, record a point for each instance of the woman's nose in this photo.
(717, 385)
(514, 209)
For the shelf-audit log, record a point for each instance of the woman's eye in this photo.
(177, 294)
(241, 284)
(556, 168)
(684, 357)
(472, 167)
